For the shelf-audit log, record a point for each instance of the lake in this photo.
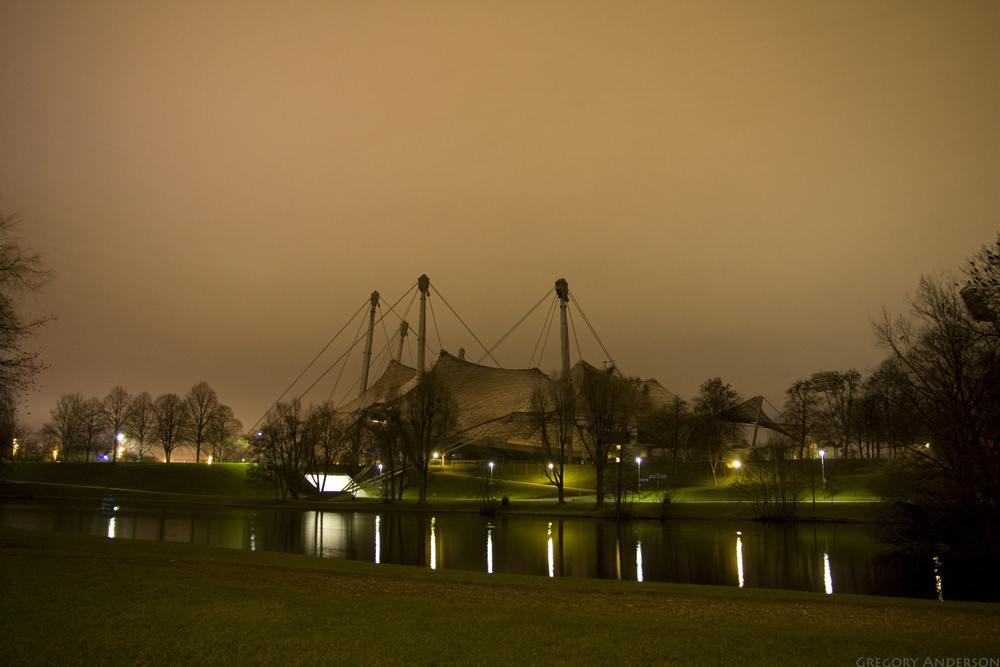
(824, 558)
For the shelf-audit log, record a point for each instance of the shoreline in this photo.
(849, 511)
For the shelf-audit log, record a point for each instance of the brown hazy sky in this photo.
(731, 189)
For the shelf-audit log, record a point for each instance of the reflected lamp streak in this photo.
(433, 546)
(827, 574)
(739, 558)
(489, 548)
(551, 553)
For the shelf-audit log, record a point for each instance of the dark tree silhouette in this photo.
(21, 271)
(170, 423)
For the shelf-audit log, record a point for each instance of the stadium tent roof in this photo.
(492, 403)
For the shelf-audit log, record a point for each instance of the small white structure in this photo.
(334, 484)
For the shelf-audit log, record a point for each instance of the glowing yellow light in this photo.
(55, 454)
(433, 545)
(638, 561)
(739, 557)
(551, 466)
(14, 451)
(827, 574)
(737, 464)
(210, 460)
(551, 552)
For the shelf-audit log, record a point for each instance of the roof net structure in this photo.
(493, 405)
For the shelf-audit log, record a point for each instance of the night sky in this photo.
(731, 189)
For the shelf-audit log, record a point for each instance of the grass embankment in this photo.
(452, 488)
(87, 600)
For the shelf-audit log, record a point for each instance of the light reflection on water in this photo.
(804, 557)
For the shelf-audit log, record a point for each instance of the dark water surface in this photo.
(825, 558)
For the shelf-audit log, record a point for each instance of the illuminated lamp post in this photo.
(737, 465)
(489, 492)
(822, 465)
(638, 479)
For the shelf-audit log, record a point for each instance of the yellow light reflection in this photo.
(433, 546)
(378, 539)
(937, 578)
(739, 557)
(112, 527)
(551, 553)
(489, 548)
(827, 574)
(638, 561)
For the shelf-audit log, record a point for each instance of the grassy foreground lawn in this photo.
(72, 599)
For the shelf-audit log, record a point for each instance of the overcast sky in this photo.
(732, 189)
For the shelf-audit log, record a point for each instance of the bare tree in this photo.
(328, 433)
(171, 422)
(426, 421)
(21, 270)
(551, 412)
(802, 412)
(843, 391)
(948, 360)
(282, 449)
(201, 403)
(382, 425)
(116, 409)
(64, 430)
(142, 422)
(223, 431)
(669, 428)
(770, 481)
(714, 433)
(981, 294)
(609, 406)
(94, 437)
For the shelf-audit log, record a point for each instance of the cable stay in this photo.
(309, 365)
(471, 333)
(594, 333)
(543, 335)
(513, 328)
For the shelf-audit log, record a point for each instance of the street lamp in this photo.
(737, 465)
(491, 472)
(638, 468)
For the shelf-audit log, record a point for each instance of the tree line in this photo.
(125, 427)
